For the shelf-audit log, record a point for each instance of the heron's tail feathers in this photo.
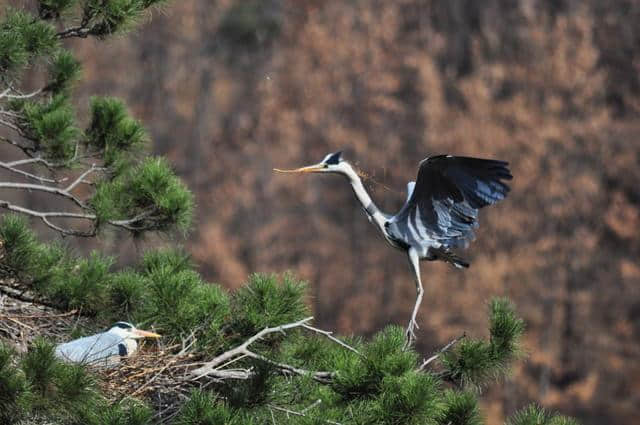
(451, 258)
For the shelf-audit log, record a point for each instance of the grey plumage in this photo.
(104, 349)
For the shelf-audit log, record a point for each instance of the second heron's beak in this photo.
(317, 168)
(145, 334)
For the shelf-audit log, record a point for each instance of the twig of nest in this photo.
(23, 321)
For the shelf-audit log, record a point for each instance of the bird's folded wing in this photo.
(91, 349)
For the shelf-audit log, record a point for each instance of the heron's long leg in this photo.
(414, 261)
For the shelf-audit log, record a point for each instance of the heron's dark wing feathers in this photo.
(448, 193)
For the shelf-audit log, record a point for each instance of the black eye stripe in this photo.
(123, 325)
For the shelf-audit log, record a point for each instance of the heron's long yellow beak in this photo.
(310, 169)
(146, 334)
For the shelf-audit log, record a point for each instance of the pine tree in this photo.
(101, 172)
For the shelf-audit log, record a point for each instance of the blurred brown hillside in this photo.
(231, 89)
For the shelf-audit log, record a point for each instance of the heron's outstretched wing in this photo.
(444, 204)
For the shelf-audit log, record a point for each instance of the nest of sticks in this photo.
(23, 318)
(158, 373)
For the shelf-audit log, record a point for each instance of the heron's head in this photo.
(127, 330)
(332, 163)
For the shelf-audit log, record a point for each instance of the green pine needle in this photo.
(22, 38)
(113, 16)
(151, 193)
(64, 70)
(362, 376)
(51, 123)
(203, 408)
(82, 283)
(49, 9)
(13, 387)
(475, 362)
(266, 301)
(127, 412)
(40, 366)
(176, 259)
(126, 295)
(19, 244)
(409, 399)
(536, 415)
(461, 408)
(113, 132)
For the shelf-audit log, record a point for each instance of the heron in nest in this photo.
(105, 348)
(440, 213)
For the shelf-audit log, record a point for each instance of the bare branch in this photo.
(7, 94)
(212, 367)
(322, 377)
(41, 179)
(332, 338)
(44, 216)
(294, 413)
(9, 114)
(43, 188)
(11, 126)
(27, 150)
(79, 31)
(440, 352)
(25, 161)
(80, 179)
(40, 160)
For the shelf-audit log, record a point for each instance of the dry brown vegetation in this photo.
(551, 86)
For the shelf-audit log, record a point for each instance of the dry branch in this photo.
(443, 350)
(213, 367)
(294, 413)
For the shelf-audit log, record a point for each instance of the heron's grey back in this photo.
(99, 349)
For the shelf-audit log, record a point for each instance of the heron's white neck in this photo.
(131, 344)
(370, 208)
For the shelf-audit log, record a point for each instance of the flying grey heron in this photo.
(440, 213)
(104, 348)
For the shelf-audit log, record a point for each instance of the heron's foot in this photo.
(410, 333)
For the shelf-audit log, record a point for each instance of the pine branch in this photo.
(441, 351)
(213, 367)
(11, 126)
(25, 149)
(42, 188)
(329, 335)
(80, 179)
(46, 215)
(41, 179)
(302, 414)
(8, 95)
(79, 31)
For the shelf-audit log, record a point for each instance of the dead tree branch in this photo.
(443, 350)
(214, 367)
(294, 413)
(26, 174)
(329, 335)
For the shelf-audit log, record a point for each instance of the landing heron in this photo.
(440, 213)
(104, 348)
